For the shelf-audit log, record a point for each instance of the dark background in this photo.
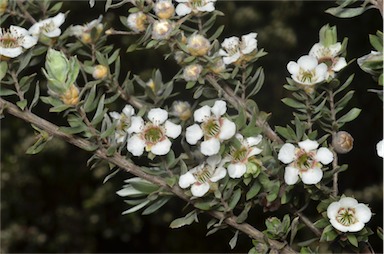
(52, 202)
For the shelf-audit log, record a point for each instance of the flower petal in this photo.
(137, 125)
(340, 64)
(202, 113)
(219, 108)
(136, 145)
(59, 19)
(209, 7)
(186, 180)
(115, 115)
(182, 10)
(363, 213)
(199, 189)
(11, 52)
(308, 145)
(210, 147)
(249, 43)
(380, 148)
(236, 170)
(338, 225)
(348, 202)
(321, 72)
(307, 63)
(317, 51)
(172, 130)
(128, 110)
(311, 176)
(254, 151)
(29, 41)
(157, 115)
(324, 155)
(227, 129)
(291, 175)
(293, 68)
(219, 174)
(287, 153)
(162, 147)
(193, 134)
(54, 33)
(333, 209)
(356, 227)
(252, 141)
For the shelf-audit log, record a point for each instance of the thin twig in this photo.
(128, 166)
(25, 12)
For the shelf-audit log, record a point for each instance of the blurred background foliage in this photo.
(52, 202)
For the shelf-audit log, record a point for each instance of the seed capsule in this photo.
(342, 142)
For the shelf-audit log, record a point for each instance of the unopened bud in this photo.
(218, 66)
(342, 142)
(137, 21)
(164, 9)
(328, 35)
(161, 29)
(57, 65)
(71, 96)
(100, 72)
(151, 85)
(198, 45)
(3, 6)
(182, 110)
(192, 72)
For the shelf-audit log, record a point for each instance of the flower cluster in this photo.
(16, 39)
(305, 161)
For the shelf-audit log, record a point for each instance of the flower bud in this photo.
(3, 6)
(161, 29)
(99, 72)
(164, 9)
(218, 66)
(137, 21)
(56, 65)
(192, 72)
(328, 35)
(198, 45)
(342, 142)
(71, 96)
(182, 110)
(151, 85)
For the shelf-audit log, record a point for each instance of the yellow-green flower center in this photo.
(239, 155)
(204, 174)
(211, 127)
(197, 3)
(153, 134)
(48, 27)
(305, 160)
(9, 41)
(307, 76)
(346, 216)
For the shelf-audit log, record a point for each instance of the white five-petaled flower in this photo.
(330, 56)
(305, 161)
(14, 40)
(152, 136)
(380, 148)
(123, 122)
(49, 27)
(187, 6)
(307, 71)
(239, 157)
(233, 49)
(202, 176)
(347, 215)
(213, 128)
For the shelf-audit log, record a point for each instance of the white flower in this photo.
(202, 176)
(152, 136)
(123, 122)
(330, 56)
(187, 6)
(83, 32)
(239, 157)
(347, 215)
(137, 21)
(380, 148)
(164, 9)
(305, 161)
(307, 71)
(49, 27)
(213, 127)
(162, 29)
(192, 72)
(13, 41)
(233, 49)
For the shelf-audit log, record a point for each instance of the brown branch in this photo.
(237, 102)
(128, 166)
